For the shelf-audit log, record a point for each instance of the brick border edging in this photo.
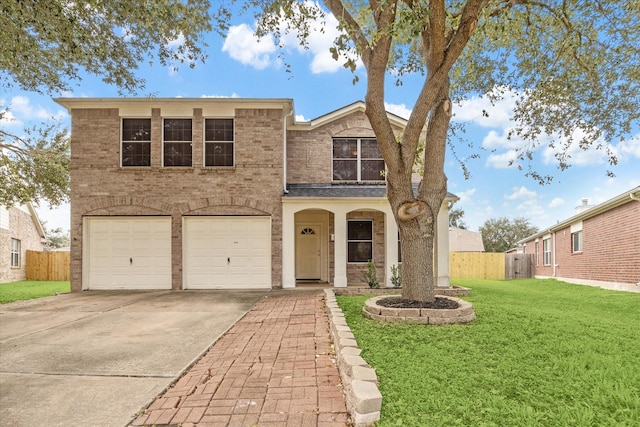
(360, 381)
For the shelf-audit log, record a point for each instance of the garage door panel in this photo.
(227, 252)
(129, 253)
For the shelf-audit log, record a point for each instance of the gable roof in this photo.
(358, 106)
(626, 197)
(461, 240)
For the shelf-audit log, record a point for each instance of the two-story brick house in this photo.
(223, 193)
(20, 231)
(599, 246)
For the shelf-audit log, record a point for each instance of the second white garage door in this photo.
(227, 252)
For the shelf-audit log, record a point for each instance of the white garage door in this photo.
(128, 253)
(227, 252)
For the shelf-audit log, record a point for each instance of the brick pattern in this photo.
(99, 186)
(611, 244)
(21, 227)
(275, 367)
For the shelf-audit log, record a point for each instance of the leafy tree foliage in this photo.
(455, 218)
(46, 44)
(34, 166)
(567, 62)
(502, 234)
(45, 47)
(56, 237)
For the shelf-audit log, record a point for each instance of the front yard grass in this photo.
(26, 289)
(540, 353)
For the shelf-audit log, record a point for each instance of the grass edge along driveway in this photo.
(540, 353)
(30, 289)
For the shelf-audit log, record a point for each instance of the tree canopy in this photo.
(47, 44)
(571, 66)
(502, 234)
(34, 166)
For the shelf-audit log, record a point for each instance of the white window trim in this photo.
(122, 119)
(358, 161)
(163, 142)
(372, 240)
(204, 142)
(16, 254)
(544, 252)
(573, 249)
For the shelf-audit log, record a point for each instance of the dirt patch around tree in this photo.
(399, 302)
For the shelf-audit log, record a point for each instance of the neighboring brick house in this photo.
(20, 231)
(599, 246)
(209, 193)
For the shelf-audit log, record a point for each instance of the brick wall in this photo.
(21, 227)
(309, 153)
(100, 186)
(611, 248)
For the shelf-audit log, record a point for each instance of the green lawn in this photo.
(540, 353)
(18, 291)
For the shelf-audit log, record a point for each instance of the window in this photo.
(546, 247)
(15, 253)
(360, 240)
(399, 249)
(136, 142)
(537, 253)
(576, 241)
(218, 145)
(357, 159)
(177, 142)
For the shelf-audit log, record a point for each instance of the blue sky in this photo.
(239, 66)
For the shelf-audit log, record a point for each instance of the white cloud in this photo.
(233, 95)
(480, 110)
(521, 193)
(505, 160)
(398, 109)
(556, 202)
(466, 195)
(243, 46)
(21, 111)
(300, 118)
(630, 147)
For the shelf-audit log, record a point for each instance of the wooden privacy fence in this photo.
(476, 265)
(48, 265)
(490, 265)
(518, 266)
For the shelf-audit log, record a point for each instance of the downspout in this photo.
(554, 254)
(284, 150)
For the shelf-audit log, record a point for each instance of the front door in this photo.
(308, 252)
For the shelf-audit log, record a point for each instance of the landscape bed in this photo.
(540, 352)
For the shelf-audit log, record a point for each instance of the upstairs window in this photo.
(15, 253)
(177, 137)
(136, 142)
(360, 240)
(357, 159)
(218, 142)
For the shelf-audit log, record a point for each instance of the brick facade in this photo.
(610, 247)
(19, 225)
(100, 187)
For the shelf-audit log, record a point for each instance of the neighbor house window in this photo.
(546, 247)
(537, 249)
(357, 159)
(177, 136)
(15, 253)
(360, 240)
(136, 142)
(218, 142)
(576, 241)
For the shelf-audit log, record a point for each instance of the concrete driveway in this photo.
(97, 358)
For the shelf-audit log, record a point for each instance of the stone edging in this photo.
(358, 378)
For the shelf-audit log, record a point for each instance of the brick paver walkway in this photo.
(275, 367)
